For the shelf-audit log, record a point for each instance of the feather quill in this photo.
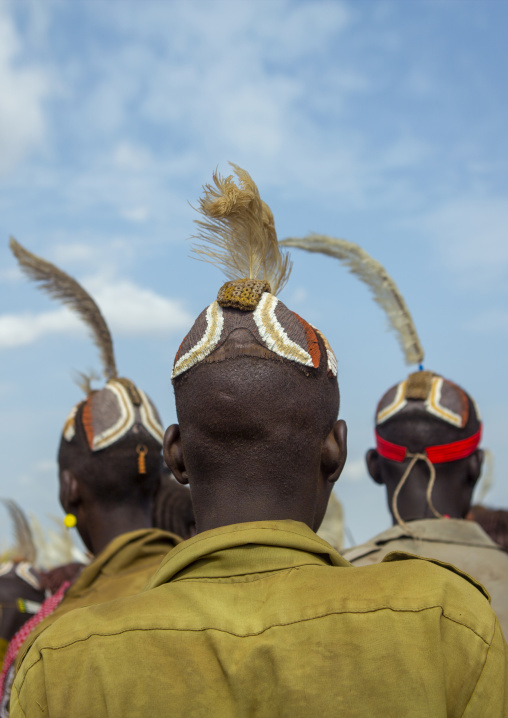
(238, 233)
(60, 285)
(374, 275)
(25, 546)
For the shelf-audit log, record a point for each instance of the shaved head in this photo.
(253, 432)
(416, 429)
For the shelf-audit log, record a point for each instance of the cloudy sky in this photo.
(383, 122)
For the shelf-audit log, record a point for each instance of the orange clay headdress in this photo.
(110, 413)
(238, 235)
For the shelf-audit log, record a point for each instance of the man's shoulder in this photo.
(406, 582)
(403, 583)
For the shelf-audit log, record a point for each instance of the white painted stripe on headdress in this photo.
(124, 423)
(23, 571)
(331, 359)
(148, 418)
(30, 606)
(397, 404)
(433, 404)
(5, 567)
(273, 335)
(207, 343)
(69, 429)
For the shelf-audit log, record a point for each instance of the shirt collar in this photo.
(215, 553)
(452, 531)
(120, 553)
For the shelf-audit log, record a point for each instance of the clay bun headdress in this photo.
(110, 413)
(238, 235)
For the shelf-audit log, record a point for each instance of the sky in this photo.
(381, 122)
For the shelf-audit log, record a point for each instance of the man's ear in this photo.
(334, 452)
(173, 453)
(70, 493)
(373, 467)
(475, 464)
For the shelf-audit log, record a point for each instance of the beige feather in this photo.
(60, 285)
(238, 234)
(374, 275)
(25, 547)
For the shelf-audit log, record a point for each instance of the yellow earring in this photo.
(70, 521)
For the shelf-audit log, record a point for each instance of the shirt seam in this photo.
(244, 635)
(18, 695)
(244, 577)
(489, 645)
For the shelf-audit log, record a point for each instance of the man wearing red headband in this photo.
(428, 431)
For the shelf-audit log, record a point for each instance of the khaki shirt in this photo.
(266, 619)
(123, 568)
(461, 543)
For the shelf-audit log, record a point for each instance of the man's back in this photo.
(265, 619)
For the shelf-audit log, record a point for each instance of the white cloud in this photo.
(492, 321)
(127, 156)
(134, 310)
(135, 214)
(45, 465)
(25, 87)
(471, 236)
(21, 329)
(129, 310)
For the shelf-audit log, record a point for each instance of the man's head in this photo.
(110, 453)
(255, 384)
(257, 435)
(427, 435)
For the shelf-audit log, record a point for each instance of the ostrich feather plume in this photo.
(374, 275)
(60, 285)
(238, 232)
(25, 547)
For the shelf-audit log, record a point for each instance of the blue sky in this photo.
(380, 122)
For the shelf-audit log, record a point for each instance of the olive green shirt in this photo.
(266, 619)
(457, 541)
(123, 568)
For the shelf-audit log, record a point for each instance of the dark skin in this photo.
(257, 440)
(455, 480)
(97, 523)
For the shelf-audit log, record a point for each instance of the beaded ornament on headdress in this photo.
(60, 285)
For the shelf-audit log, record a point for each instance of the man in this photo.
(428, 432)
(256, 615)
(109, 470)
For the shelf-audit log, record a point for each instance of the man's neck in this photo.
(105, 524)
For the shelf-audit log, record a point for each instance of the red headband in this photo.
(436, 454)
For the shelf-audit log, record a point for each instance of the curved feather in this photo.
(375, 276)
(25, 546)
(238, 234)
(60, 285)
